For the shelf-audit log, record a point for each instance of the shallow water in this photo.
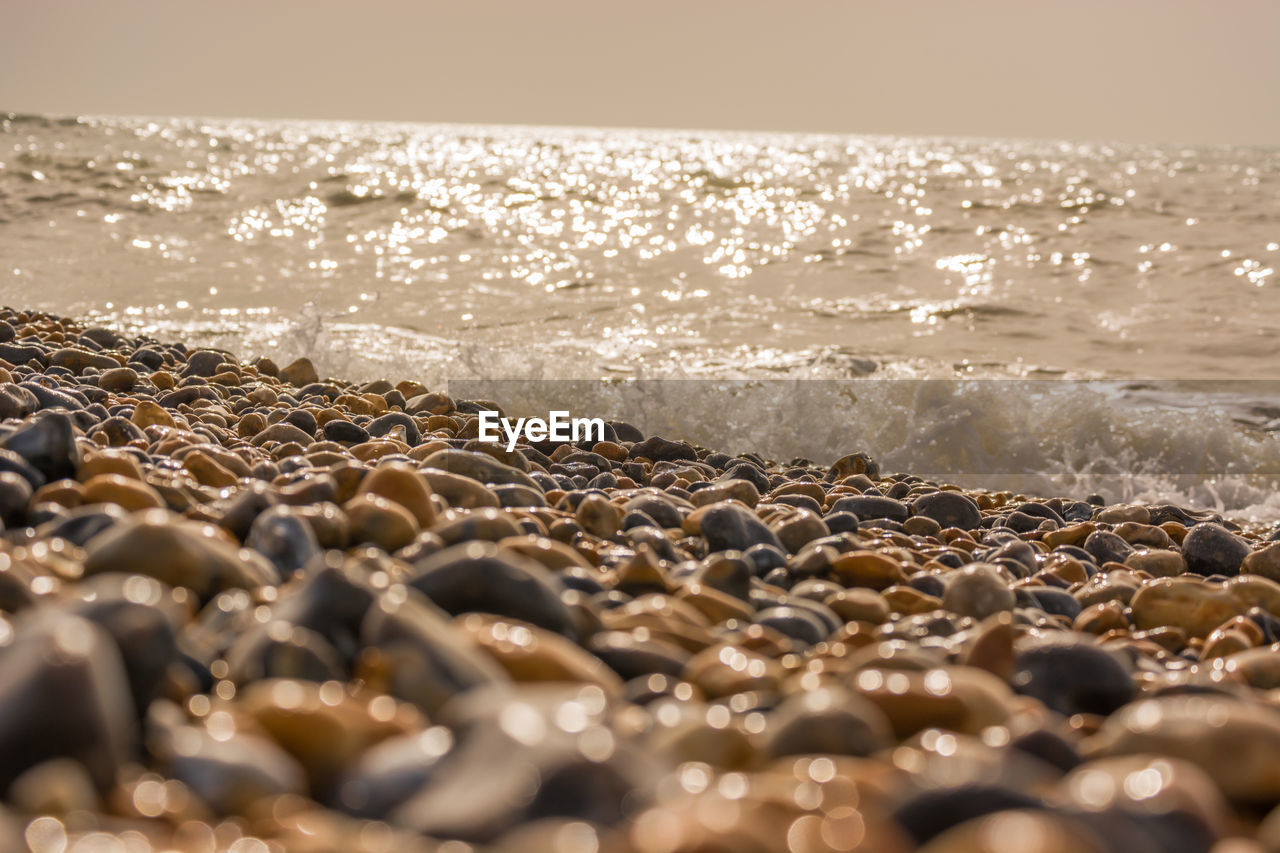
(444, 252)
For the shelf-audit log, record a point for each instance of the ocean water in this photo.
(450, 252)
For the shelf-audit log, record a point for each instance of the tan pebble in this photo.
(109, 462)
(977, 590)
(739, 490)
(376, 449)
(1021, 831)
(1142, 534)
(251, 424)
(610, 450)
(381, 522)
(909, 600)
(1240, 750)
(404, 485)
(1156, 562)
(959, 698)
(1073, 534)
(530, 653)
(867, 569)
(118, 379)
(148, 413)
(1223, 643)
(1192, 605)
(324, 726)
(812, 490)
(1121, 513)
(1100, 618)
(208, 472)
(300, 372)
(858, 604)
(724, 670)
(124, 492)
(163, 380)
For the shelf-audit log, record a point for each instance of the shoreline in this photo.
(242, 597)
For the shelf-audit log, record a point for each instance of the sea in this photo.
(1046, 316)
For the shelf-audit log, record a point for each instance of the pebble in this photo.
(978, 591)
(238, 603)
(1211, 549)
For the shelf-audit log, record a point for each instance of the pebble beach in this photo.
(248, 607)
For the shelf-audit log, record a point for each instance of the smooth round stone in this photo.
(632, 655)
(118, 379)
(977, 590)
(16, 401)
(958, 698)
(379, 521)
(948, 509)
(65, 693)
(743, 491)
(1237, 744)
(284, 651)
(344, 432)
(176, 552)
(232, 772)
(1106, 547)
(412, 652)
(478, 466)
(1186, 603)
(403, 485)
(526, 755)
(1211, 549)
(300, 372)
(799, 529)
(858, 605)
(1072, 677)
(15, 493)
(1018, 828)
(324, 726)
(727, 571)
(124, 492)
(794, 622)
(485, 524)
(481, 577)
(870, 507)
(461, 492)
(1152, 785)
(1057, 602)
(282, 433)
(285, 538)
(826, 721)
(391, 771)
(867, 569)
(724, 670)
(1160, 563)
(1265, 562)
(729, 526)
(47, 444)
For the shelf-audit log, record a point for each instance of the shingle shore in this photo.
(246, 608)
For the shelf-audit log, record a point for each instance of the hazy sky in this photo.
(1142, 70)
